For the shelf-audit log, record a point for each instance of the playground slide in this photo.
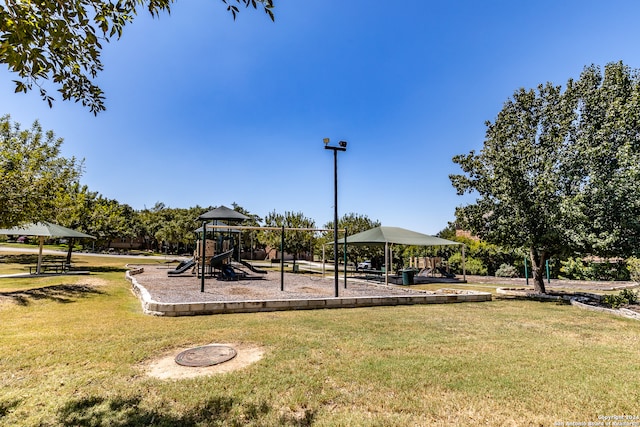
(445, 273)
(251, 267)
(183, 266)
(216, 261)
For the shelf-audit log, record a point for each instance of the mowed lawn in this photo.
(73, 348)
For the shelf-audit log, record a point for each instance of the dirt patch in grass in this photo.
(165, 367)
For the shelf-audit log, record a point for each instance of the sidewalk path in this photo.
(30, 249)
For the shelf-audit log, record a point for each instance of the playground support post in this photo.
(282, 260)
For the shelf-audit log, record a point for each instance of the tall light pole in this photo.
(342, 147)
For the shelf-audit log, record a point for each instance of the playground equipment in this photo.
(221, 252)
(251, 267)
(212, 241)
(183, 266)
(430, 266)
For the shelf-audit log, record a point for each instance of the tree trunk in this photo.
(538, 259)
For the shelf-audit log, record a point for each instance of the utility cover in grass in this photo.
(207, 355)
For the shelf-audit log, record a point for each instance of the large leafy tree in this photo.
(249, 239)
(33, 174)
(61, 41)
(354, 223)
(111, 220)
(74, 208)
(169, 228)
(608, 142)
(295, 242)
(151, 220)
(558, 172)
(176, 228)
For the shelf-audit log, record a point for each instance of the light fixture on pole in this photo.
(342, 147)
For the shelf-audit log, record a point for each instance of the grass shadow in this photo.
(62, 294)
(130, 412)
(6, 407)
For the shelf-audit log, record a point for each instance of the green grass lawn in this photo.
(72, 347)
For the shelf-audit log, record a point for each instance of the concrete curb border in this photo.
(149, 306)
(570, 298)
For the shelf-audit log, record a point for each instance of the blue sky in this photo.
(202, 110)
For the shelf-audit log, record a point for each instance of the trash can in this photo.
(407, 277)
(296, 268)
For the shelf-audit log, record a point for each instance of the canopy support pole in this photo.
(41, 239)
(345, 258)
(386, 263)
(464, 269)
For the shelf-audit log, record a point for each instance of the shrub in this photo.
(626, 296)
(633, 265)
(574, 269)
(579, 269)
(472, 265)
(507, 270)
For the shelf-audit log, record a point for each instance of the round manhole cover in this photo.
(207, 355)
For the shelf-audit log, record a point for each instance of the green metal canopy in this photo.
(380, 236)
(44, 229)
(385, 236)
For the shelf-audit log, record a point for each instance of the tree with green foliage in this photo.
(169, 234)
(607, 155)
(110, 220)
(295, 242)
(559, 170)
(249, 239)
(151, 221)
(168, 229)
(61, 41)
(74, 209)
(33, 174)
(354, 223)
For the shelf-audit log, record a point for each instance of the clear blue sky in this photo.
(202, 110)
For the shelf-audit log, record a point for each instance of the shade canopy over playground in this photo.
(396, 235)
(217, 226)
(385, 236)
(44, 229)
(222, 213)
